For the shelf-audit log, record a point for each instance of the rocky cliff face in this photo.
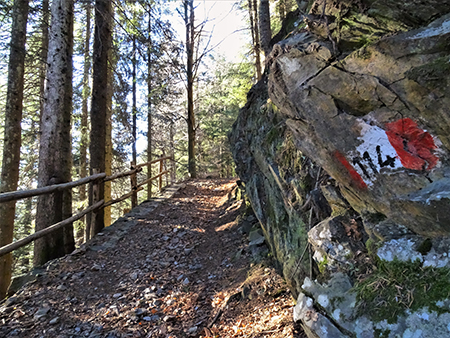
(345, 145)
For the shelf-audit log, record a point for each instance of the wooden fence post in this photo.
(173, 170)
(161, 169)
(93, 198)
(133, 179)
(149, 184)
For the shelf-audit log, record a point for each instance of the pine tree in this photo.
(254, 28)
(86, 91)
(100, 97)
(55, 151)
(189, 17)
(149, 99)
(264, 26)
(12, 134)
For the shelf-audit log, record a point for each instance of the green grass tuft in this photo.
(397, 286)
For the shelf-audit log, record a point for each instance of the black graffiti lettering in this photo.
(372, 166)
(380, 159)
(357, 160)
(390, 161)
(366, 161)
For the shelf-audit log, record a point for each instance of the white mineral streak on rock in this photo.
(374, 143)
(307, 283)
(444, 28)
(325, 234)
(425, 316)
(316, 322)
(402, 249)
(323, 300)
(289, 65)
(337, 314)
(318, 256)
(385, 326)
(409, 334)
(363, 328)
(435, 259)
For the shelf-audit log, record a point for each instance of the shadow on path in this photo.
(178, 269)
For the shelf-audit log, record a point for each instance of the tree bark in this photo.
(43, 55)
(149, 103)
(253, 13)
(100, 93)
(172, 152)
(108, 142)
(190, 38)
(134, 200)
(134, 99)
(12, 134)
(282, 9)
(264, 26)
(55, 152)
(86, 92)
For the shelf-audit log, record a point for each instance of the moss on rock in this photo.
(398, 286)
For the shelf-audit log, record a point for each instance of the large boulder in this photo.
(376, 120)
(345, 145)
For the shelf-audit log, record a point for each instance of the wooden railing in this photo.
(97, 203)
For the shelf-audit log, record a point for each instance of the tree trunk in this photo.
(84, 105)
(43, 55)
(264, 26)
(12, 135)
(253, 13)
(55, 152)
(282, 9)
(108, 142)
(149, 103)
(108, 153)
(134, 201)
(189, 21)
(172, 152)
(134, 103)
(100, 93)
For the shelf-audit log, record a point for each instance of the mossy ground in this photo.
(397, 286)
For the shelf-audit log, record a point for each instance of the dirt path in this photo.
(183, 270)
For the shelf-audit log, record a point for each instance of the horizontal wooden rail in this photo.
(153, 178)
(123, 174)
(154, 161)
(120, 199)
(41, 233)
(18, 195)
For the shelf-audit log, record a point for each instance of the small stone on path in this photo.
(54, 321)
(41, 313)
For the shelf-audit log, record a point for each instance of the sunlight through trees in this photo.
(107, 83)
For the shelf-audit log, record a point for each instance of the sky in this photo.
(228, 27)
(225, 21)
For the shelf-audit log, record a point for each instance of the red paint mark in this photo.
(413, 145)
(353, 173)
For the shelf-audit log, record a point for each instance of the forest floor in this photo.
(182, 270)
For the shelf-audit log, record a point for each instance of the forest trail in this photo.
(182, 270)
